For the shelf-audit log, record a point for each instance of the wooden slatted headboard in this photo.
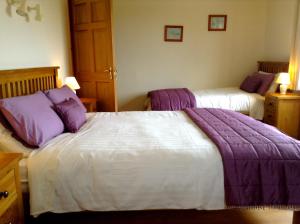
(18, 82)
(273, 67)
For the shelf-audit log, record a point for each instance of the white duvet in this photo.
(128, 161)
(232, 98)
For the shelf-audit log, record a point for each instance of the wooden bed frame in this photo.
(273, 67)
(18, 82)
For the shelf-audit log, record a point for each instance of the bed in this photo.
(172, 162)
(18, 82)
(233, 98)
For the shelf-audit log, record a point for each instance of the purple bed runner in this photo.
(172, 99)
(261, 164)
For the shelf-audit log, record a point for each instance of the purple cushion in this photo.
(266, 81)
(59, 95)
(32, 118)
(7, 125)
(250, 84)
(72, 114)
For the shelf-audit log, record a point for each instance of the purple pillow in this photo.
(266, 81)
(7, 125)
(59, 95)
(5, 122)
(72, 114)
(250, 84)
(32, 118)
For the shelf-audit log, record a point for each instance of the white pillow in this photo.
(10, 144)
(265, 73)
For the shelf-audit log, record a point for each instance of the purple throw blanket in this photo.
(261, 164)
(172, 99)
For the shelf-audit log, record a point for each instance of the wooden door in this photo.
(92, 51)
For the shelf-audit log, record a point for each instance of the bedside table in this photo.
(283, 112)
(90, 104)
(11, 203)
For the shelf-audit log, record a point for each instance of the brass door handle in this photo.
(110, 72)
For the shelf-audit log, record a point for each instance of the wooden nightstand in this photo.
(283, 112)
(90, 104)
(11, 203)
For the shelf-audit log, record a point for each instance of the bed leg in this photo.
(296, 217)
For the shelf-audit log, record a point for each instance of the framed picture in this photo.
(174, 33)
(217, 22)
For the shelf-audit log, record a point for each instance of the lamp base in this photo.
(283, 88)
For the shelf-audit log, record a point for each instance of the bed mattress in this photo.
(128, 161)
(232, 99)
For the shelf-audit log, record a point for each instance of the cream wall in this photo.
(35, 44)
(204, 59)
(280, 30)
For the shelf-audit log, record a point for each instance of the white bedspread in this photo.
(128, 161)
(232, 98)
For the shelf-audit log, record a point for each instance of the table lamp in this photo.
(72, 83)
(284, 80)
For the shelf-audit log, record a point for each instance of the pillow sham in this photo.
(59, 95)
(274, 86)
(5, 127)
(32, 118)
(250, 84)
(71, 114)
(266, 81)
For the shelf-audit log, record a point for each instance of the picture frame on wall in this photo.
(217, 22)
(173, 33)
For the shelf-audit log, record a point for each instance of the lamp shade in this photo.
(72, 82)
(284, 78)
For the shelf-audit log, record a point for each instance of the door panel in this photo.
(81, 15)
(99, 9)
(87, 89)
(92, 51)
(84, 46)
(101, 50)
(104, 92)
